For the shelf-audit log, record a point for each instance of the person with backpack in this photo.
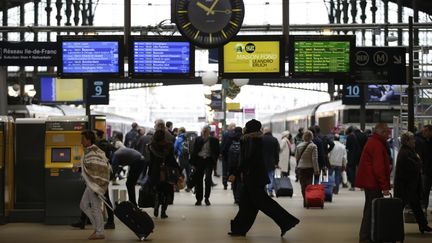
(182, 152)
(227, 138)
(233, 164)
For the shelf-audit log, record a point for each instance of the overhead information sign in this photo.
(28, 53)
(97, 92)
(90, 56)
(322, 56)
(252, 56)
(161, 57)
(352, 94)
(380, 65)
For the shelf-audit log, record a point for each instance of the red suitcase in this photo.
(314, 196)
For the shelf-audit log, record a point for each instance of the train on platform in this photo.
(331, 116)
(113, 122)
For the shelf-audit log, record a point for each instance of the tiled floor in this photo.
(338, 222)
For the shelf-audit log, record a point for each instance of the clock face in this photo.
(209, 23)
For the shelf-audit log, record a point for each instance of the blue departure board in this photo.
(159, 57)
(90, 57)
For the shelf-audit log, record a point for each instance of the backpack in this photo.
(185, 151)
(234, 153)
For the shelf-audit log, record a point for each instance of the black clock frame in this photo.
(188, 30)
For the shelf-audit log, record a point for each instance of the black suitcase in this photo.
(283, 187)
(134, 218)
(387, 220)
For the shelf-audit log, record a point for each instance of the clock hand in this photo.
(204, 7)
(210, 11)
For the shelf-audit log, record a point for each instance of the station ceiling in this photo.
(423, 5)
(12, 3)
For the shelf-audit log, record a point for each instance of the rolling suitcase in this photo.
(134, 218)
(387, 220)
(328, 188)
(314, 196)
(283, 187)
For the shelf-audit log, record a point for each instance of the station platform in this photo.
(339, 221)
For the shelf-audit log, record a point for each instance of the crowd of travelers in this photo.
(168, 159)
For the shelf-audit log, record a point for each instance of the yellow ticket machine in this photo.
(63, 187)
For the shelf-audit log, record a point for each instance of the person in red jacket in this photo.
(373, 175)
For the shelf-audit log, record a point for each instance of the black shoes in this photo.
(198, 203)
(164, 215)
(425, 229)
(79, 224)
(109, 225)
(236, 234)
(207, 202)
(288, 227)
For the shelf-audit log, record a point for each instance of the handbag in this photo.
(147, 196)
(169, 174)
(301, 154)
(181, 183)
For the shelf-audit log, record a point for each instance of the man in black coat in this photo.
(270, 148)
(204, 156)
(424, 148)
(354, 145)
(227, 139)
(254, 177)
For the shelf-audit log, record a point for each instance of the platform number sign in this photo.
(97, 92)
(352, 94)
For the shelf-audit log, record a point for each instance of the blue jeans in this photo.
(337, 176)
(271, 175)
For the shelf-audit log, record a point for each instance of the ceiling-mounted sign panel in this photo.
(385, 65)
(28, 53)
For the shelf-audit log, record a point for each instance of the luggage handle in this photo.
(105, 202)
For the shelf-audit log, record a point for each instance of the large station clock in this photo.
(209, 23)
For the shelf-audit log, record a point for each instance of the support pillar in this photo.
(3, 91)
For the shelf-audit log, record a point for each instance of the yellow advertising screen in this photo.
(69, 89)
(252, 57)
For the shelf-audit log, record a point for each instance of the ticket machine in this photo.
(63, 187)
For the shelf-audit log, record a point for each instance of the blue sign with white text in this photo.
(161, 57)
(90, 56)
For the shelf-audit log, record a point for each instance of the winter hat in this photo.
(253, 126)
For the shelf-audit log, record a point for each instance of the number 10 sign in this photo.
(97, 92)
(352, 94)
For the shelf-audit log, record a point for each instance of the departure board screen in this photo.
(322, 56)
(329, 56)
(90, 56)
(161, 56)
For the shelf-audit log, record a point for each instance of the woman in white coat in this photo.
(285, 154)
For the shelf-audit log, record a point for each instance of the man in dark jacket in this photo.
(424, 148)
(354, 145)
(254, 177)
(136, 162)
(227, 138)
(204, 156)
(132, 136)
(271, 150)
